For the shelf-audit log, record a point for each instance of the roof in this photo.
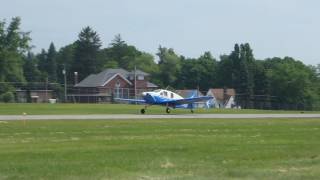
(151, 85)
(186, 93)
(219, 93)
(95, 80)
(139, 72)
(100, 79)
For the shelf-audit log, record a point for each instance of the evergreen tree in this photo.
(30, 69)
(64, 59)
(42, 64)
(242, 73)
(51, 63)
(86, 53)
(122, 53)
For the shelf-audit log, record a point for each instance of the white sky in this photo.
(272, 27)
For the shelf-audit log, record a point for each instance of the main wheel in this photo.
(168, 110)
(142, 111)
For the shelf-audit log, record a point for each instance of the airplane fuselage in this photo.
(160, 96)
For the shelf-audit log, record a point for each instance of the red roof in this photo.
(219, 93)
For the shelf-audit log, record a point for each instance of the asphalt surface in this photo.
(163, 116)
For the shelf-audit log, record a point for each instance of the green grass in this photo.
(32, 109)
(161, 149)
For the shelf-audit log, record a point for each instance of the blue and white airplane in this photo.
(168, 99)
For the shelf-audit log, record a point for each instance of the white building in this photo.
(223, 98)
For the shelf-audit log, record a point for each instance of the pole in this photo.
(65, 83)
(75, 78)
(46, 93)
(135, 83)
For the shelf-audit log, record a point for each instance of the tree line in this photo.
(272, 83)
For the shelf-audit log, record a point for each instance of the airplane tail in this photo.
(209, 103)
(193, 94)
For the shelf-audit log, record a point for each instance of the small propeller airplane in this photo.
(167, 98)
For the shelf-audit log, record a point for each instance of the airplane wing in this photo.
(188, 100)
(138, 101)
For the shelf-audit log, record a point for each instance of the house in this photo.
(34, 96)
(192, 93)
(223, 98)
(111, 83)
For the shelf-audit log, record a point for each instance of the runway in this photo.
(162, 116)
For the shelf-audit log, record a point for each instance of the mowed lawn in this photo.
(161, 149)
(38, 109)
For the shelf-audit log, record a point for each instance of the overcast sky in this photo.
(272, 27)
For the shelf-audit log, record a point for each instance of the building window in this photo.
(140, 77)
(117, 84)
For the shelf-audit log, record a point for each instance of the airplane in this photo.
(167, 98)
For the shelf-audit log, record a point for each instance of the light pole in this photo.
(65, 83)
(75, 78)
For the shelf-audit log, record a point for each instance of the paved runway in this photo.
(163, 116)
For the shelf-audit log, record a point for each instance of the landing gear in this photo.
(142, 111)
(168, 110)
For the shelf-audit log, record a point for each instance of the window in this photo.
(140, 77)
(118, 84)
(171, 95)
(165, 93)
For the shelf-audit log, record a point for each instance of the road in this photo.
(163, 116)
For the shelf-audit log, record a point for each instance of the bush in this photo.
(7, 97)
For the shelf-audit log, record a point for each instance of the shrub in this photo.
(7, 97)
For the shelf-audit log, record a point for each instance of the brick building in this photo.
(111, 83)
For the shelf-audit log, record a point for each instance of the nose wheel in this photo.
(168, 110)
(142, 111)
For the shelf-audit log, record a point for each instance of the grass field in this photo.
(161, 149)
(33, 109)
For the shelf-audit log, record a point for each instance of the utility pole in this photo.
(65, 82)
(46, 93)
(135, 83)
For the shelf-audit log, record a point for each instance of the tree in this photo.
(48, 64)
(122, 53)
(198, 73)
(30, 69)
(144, 62)
(295, 85)
(64, 59)
(247, 74)
(169, 66)
(262, 86)
(86, 53)
(225, 75)
(13, 44)
(52, 64)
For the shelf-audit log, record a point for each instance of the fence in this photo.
(42, 92)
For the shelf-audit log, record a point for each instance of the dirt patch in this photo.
(167, 164)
